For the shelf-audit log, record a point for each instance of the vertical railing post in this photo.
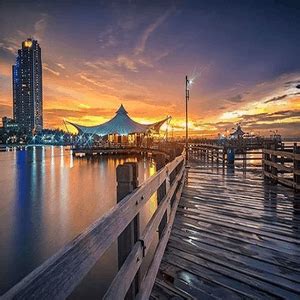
(282, 157)
(161, 192)
(223, 156)
(127, 181)
(264, 165)
(296, 150)
(274, 170)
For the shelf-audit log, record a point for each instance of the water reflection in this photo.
(47, 198)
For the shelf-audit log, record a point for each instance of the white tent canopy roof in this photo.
(120, 124)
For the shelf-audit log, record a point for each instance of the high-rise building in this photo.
(27, 87)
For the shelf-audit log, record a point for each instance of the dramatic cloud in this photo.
(140, 48)
(276, 98)
(100, 55)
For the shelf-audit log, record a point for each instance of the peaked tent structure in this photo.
(121, 124)
(238, 133)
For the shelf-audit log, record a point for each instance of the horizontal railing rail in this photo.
(282, 164)
(60, 274)
(122, 281)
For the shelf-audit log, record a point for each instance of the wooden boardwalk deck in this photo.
(233, 237)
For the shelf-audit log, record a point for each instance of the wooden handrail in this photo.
(61, 273)
(125, 276)
(286, 154)
(149, 279)
(274, 166)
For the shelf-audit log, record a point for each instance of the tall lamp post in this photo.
(187, 97)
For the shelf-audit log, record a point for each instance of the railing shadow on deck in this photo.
(61, 273)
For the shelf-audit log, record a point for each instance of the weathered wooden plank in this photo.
(210, 288)
(283, 277)
(253, 220)
(265, 201)
(286, 219)
(247, 247)
(229, 276)
(269, 206)
(270, 203)
(238, 225)
(283, 223)
(164, 291)
(210, 274)
(255, 238)
(237, 234)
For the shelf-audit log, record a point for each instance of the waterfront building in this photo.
(122, 129)
(27, 87)
(10, 124)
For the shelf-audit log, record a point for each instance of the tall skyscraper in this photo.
(27, 87)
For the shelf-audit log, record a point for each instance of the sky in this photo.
(243, 56)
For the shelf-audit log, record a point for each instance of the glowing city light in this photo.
(28, 43)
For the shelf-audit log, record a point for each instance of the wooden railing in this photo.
(219, 154)
(282, 164)
(239, 144)
(60, 274)
(171, 150)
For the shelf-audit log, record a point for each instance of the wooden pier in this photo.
(170, 150)
(222, 234)
(234, 237)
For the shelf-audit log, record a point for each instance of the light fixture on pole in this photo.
(187, 97)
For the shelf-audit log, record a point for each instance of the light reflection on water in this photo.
(47, 197)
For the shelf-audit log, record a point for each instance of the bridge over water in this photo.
(222, 234)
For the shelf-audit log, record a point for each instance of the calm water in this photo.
(47, 198)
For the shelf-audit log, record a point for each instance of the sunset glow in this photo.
(126, 58)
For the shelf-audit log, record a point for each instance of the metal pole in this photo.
(187, 95)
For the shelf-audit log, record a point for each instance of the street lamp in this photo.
(187, 97)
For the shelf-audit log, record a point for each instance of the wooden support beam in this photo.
(148, 281)
(127, 182)
(296, 164)
(122, 281)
